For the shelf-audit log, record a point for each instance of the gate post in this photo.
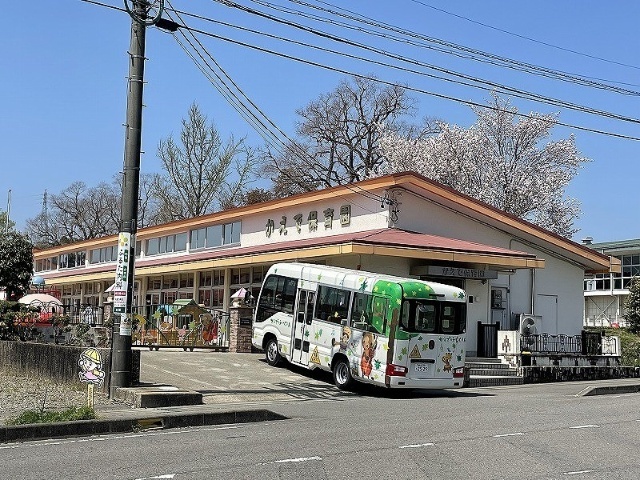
(240, 319)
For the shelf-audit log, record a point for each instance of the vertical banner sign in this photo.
(122, 282)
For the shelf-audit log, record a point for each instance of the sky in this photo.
(63, 82)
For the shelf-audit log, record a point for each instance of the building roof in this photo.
(389, 242)
(617, 247)
(589, 259)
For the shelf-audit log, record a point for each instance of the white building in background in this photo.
(605, 293)
(401, 224)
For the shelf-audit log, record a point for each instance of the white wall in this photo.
(366, 214)
(559, 277)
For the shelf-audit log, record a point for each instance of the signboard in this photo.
(458, 272)
(122, 273)
(121, 285)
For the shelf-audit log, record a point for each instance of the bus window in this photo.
(278, 295)
(454, 318)
(426, 317)
(406, 310)
(361, 309)
(333, 304)
(288, 294)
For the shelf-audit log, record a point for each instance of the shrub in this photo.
(70, 414)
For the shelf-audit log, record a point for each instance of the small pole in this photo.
(90, 398)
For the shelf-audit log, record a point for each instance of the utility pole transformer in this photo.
(121, 357)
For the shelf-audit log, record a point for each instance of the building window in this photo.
(103, 255)
(167, 244)
(71, 260)
(216, 236)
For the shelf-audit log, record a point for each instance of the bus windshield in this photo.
(428, 316)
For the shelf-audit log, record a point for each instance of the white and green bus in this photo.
(373, 328)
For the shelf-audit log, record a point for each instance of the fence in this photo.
(158, 325)
(208, 329)
(588, 343)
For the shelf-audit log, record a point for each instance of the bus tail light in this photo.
(396, 370)
(458, 372)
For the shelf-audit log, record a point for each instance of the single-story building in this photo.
(402, 224)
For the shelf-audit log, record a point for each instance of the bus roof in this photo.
(359, 279)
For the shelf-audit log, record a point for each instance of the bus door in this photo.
(302, 326)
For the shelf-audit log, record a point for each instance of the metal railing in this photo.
(158, 325)
(588, 343)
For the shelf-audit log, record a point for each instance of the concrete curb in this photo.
(39, 431)
(609, 390)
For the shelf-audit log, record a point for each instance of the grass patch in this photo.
(70, 414)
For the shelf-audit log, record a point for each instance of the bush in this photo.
(70, 414)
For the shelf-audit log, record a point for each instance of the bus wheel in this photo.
(272, 353)
(342, 374)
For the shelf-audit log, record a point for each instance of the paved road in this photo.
(231, 378)
(525, 432)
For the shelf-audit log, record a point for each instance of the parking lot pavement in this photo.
(228, 378)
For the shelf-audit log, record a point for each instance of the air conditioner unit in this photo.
(530, 326)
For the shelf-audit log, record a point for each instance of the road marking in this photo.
(417, 445)
(168, 475)
(293, 460)
(577, 472)
(298, 460)
(585, 426)
(103, 438)
(517, 434)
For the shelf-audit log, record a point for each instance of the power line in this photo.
(414, 89)
(346, 72)
(490, 85)
(482, 56)
(524, 37)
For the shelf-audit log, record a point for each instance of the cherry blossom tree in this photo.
(504, 159)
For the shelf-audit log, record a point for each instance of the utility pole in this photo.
(121, 357)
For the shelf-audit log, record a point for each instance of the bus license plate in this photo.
(421, 367)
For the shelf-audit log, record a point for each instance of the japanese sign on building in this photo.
(312, 221)
(462, 272)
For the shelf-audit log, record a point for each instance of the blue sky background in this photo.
(64, 67)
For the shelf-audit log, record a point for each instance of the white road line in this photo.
(577, 472)
(584, 426)
(293, 460)
(103, 438)
(168, 475)
(417, 445)
(298, 460)
(517, 434)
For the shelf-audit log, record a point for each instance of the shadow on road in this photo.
(328, 388)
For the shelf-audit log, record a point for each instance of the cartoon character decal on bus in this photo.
(446, 358)
(369, 344)
(345, 336)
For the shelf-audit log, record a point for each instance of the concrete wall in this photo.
(58, 362)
